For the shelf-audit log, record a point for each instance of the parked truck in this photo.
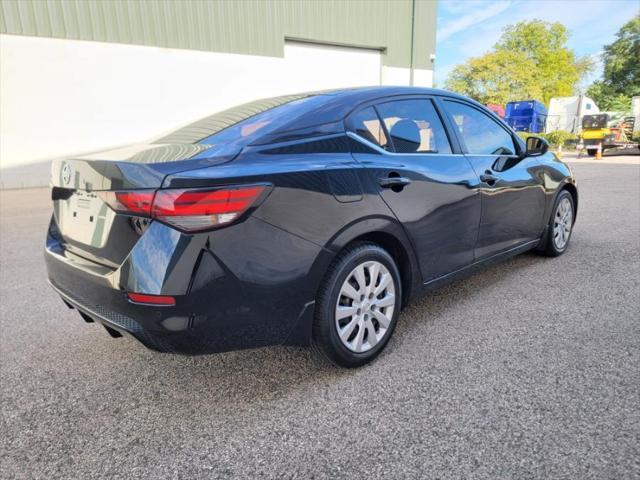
(607, 130)
(526, 116)
(565, 113)
(497, 109)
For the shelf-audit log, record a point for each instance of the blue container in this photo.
(526, 116)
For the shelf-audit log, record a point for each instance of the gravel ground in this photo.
(530, 369)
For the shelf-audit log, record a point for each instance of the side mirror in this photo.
(536, 146)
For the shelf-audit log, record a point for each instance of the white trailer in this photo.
(565, 113)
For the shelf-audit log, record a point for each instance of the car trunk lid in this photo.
(85, 222)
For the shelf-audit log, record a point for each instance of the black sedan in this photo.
(308, 219)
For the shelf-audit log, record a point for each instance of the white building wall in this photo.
(396, 76)
(423, 78)
(65, 97)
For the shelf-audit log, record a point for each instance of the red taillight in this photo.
(187, 209)
(136, 201)
(164, 300)
(194, 210)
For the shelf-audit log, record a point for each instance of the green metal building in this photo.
(131, 69)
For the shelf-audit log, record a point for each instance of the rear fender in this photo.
(361, 229)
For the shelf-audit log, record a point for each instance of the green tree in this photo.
(497, 77)
(621, 76)
(530, 61)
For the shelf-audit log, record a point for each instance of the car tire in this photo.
(560, 226)
(355, 313)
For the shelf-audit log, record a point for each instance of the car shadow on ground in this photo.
(265, 372)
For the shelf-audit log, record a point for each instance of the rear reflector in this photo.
(164, 300)
(186, 209)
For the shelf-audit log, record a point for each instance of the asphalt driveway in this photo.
(530, 369)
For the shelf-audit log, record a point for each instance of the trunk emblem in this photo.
(66, 174)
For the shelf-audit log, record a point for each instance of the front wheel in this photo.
(560, 225)
(357, 306)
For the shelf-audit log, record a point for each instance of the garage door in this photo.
(314, 66)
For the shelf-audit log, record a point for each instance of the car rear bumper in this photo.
(232, 299)
(114, 321)
(164, 329)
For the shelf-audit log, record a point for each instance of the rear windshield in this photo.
(242, 124)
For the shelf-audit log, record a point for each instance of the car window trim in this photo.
(349, 126)
(381, 150)
(463, 144)
(385, 130)
(450, 127)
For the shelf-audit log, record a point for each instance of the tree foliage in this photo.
(621, 77)
(497, 77)
(530, 61)
(555, 139)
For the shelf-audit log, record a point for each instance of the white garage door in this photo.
(316, 67)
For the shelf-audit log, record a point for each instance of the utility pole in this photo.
(576, 124)
(413, 22)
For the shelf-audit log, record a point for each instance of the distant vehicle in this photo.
(497, 109)
(608, 130)
(565, 113)
(307, 219)
(526, 116)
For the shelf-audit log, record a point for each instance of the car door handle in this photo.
(488, 179)
(391, 182)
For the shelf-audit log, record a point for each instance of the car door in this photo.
(424, 179)
(511, 185)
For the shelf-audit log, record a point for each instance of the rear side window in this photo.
(414, 126)
(242, 124)
(367, 125)
(481, 134)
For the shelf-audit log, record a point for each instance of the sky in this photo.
(470, 28)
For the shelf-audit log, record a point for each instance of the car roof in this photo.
(341, 102)
(373, 92)
(326, 108)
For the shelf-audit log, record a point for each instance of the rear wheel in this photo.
(357, 306)
(560, 225)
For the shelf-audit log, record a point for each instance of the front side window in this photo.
(414, 126)
(481, 134)
(367, 125)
